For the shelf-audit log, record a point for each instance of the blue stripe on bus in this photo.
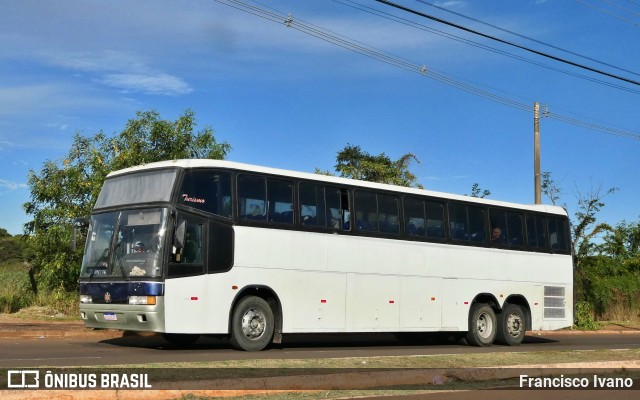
(121, 290)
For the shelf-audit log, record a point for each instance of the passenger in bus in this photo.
(346, 216)
(139, 247)
(332, 221)
(496, 235)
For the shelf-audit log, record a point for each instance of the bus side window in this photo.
(337, 208)
(312, 208)
(190, 259)
(476, 223)
(514, 229)
(388, 214)
(536, 239)
(252, 200)
(458, 225)
(193, 244)
(498, 226)
(467, 222)
(558, 234)
(435, 219)
(280, 201)
(414, 217)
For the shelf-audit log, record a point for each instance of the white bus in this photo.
(206, 247)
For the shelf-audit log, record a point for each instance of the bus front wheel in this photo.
(511, 327)
(482, 325)
(252, 324)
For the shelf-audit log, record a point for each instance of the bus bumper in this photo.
(124, 316)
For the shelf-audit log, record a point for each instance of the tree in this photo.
(11, 247)
(66, 190)
(477, 191)
(622, 241)
(550, 188)
(584, 226)
(354, 163)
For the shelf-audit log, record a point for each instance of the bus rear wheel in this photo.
(252, 324)
(482, 325)
(511, 328)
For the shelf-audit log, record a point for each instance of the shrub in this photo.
(584, 317)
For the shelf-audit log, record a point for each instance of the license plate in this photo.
(110, 317)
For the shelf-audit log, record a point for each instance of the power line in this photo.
(380, 55)
(540, 53)
(406, 22)
(602, 10)
(526, 37)
(618, 6)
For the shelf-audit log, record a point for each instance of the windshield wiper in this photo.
(93, 271)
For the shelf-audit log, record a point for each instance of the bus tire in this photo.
(511, 326)
(252, 324)
(180, 339)
(482, 325)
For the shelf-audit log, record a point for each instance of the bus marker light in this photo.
(433, 299)
(142, 300)
(234, 287)
(392, 301)
(194, 298)
(323, 301)
(466, 302)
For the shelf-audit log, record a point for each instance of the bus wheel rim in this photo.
(484, 325)
(514, 325)
(253, 324)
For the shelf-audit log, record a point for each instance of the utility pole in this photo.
(536, 153)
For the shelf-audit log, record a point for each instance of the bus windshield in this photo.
(125, 244)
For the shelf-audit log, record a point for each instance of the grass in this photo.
(17, 296)
(472, 360)
(15, 287)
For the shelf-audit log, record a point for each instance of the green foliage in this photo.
(354, 163)
(477, 191)
(550, 188)
(66, 190)
(585, 227)
(12, 248)
(610, 285)
(15, 291)
(584, 317)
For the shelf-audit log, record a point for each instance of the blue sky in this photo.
(284, 99)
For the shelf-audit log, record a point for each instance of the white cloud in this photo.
(5, 184)
(159, 83)
(123, 70)
(35, 99)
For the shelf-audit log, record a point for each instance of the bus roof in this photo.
(207, 163)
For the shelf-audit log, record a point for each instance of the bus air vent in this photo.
(554, 302)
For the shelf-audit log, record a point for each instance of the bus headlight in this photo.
(85, 298)
(144, 300)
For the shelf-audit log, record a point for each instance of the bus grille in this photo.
(554, 302)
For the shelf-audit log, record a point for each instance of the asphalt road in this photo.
(91, 351)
